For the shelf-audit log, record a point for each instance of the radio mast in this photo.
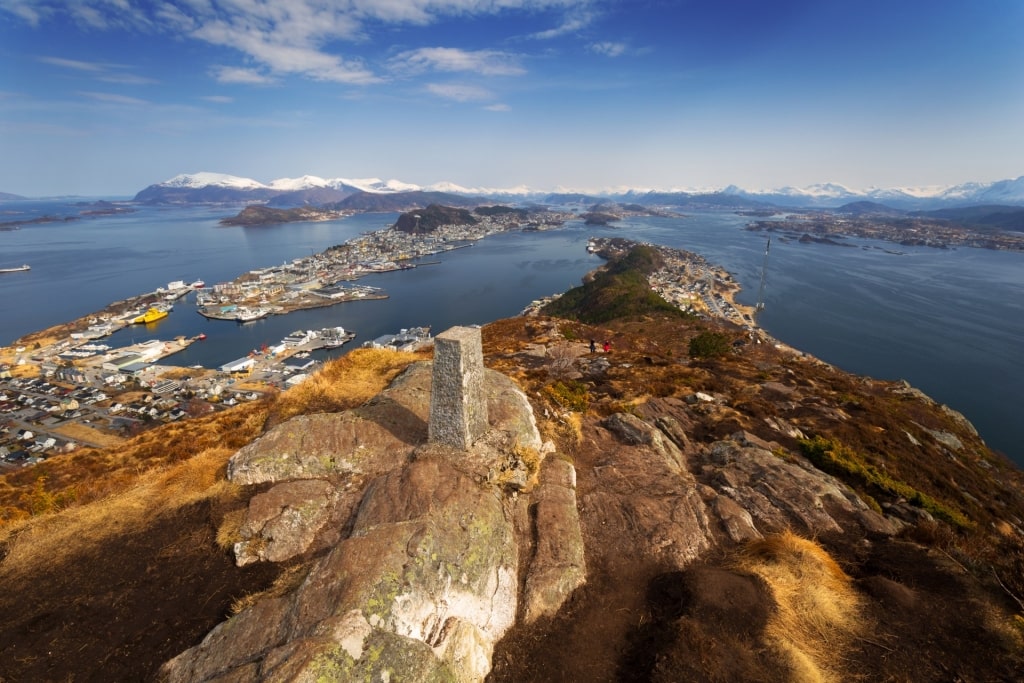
(764, 276)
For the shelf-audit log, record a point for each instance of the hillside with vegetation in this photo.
(432, 217)
(708, 509)
(258, 214)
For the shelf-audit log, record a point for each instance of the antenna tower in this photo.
(764, 276)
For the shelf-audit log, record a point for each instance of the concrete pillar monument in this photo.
(458, 402)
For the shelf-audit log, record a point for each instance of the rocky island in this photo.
(257, 214)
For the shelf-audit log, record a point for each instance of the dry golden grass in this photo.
(89, 475)
(817, 609)
(54, 537)
(181, 373)
(107, 492)
(564, 430)
(229, 531)
(289, 580)
(260, 387)
(84, 433)
(26, 371)
(345, 383)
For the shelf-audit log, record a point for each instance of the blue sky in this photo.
(105, 97)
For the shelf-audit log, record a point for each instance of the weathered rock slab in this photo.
(558, 566)
(778, 495)
(289, 518)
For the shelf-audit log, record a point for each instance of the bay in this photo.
(948, 321)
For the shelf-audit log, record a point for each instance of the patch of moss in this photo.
(709, 345)
(571, 395)
(841, 461)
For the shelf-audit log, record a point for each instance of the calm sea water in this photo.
(949, 322)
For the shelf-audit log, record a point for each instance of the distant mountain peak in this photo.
(306, 182)
(207, 179)
(207, 187)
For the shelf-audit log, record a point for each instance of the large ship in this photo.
(16, 270)
(151, 316)
(246, 315)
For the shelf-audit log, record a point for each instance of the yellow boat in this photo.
(150, 316)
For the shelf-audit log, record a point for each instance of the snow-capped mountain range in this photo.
(1010, 191)
(218, 187)
(307, 182)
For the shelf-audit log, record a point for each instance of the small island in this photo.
(257, 214)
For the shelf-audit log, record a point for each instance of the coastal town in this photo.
(64, 388)
(830, 228)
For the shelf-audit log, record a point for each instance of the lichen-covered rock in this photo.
(287, 520)
(372, 439)
(424, 581)
(430, 568)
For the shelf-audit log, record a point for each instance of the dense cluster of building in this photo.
(318, 280)
(688, 281)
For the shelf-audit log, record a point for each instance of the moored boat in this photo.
(151, 316)
(245, 315)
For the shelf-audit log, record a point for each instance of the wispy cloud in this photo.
(609, 49)
(498, 107)
(218, 99)
(101, 71)
(75, 64)
(287, 46)
(575, 21)
(234, 74)
(127, 79)
(459, 92)
(26, 10)
(305, 37)
(112, 98)
(452, 59)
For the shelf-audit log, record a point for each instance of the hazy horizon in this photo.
(104, 98)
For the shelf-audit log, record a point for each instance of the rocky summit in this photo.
(668, 510)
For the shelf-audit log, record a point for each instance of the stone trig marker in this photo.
(458, 402)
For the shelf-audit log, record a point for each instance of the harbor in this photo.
(498, 276)
(276, 296)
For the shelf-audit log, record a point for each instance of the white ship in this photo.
(246, 315)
